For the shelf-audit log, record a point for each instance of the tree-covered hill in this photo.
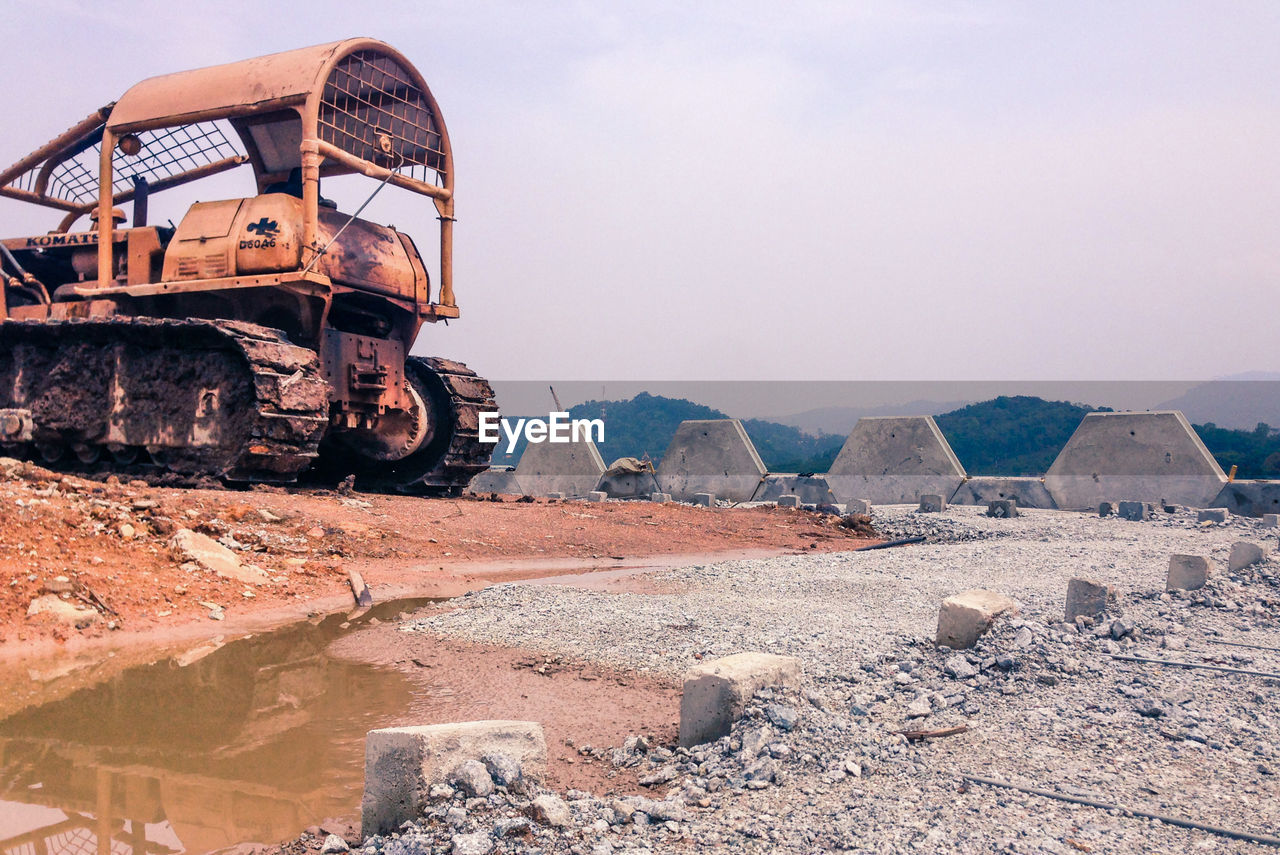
(1011, 436)
(644, 425)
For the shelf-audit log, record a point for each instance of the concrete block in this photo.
(496, 479)
(932, 503)
(1250, 498)
(1133, 511)
(1106, 509)
(809, 489)
(893, 461)
(1002, 508)
(981, 489)
(1087, 598)
(711, 456)
(1217, 515)
(569, 468)
(597, 496)
(401, 764)
(660, 498)
(1143, 456)
(716, 692)
(705, 500)
(1243, 554)
(965, 617)
(1187, 572)
(858, 506)
(1271, 520)
(791, 501)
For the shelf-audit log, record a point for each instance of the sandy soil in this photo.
(105, 545)
(578, 705)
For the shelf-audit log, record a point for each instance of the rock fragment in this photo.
(1087, 598)
(1243, 554)
(549, 809)
(965, 617)
(210, 555)
(1187, 573)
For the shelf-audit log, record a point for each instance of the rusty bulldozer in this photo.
(261, 335)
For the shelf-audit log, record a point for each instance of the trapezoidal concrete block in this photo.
(572, 469)
(894, 461)
(711, 456)
(1250, 498)
(982, 490)
(1148, 457)
(496, 479)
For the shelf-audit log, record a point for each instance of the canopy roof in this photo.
(360, 98)
(263, 83)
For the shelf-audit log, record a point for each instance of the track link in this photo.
(225, 399)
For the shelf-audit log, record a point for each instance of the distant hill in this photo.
(840, 420)
(1239, 402)
(1018, 435)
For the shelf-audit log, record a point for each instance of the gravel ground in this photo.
(833, 611)
(824, 767)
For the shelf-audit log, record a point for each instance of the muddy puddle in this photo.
(251, 740)
(255, 738)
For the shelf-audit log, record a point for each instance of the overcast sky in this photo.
(801, 190)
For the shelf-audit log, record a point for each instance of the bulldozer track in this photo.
(225, 399)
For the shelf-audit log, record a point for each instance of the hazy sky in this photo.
(736, 190)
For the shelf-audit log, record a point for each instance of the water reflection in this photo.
(249, 741)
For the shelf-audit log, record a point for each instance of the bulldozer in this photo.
(261, 337)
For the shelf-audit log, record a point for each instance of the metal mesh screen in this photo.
(72, 841)
(165, 152)
(369, 95)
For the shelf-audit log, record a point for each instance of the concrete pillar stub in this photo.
(932, 503)
(716, 692)
(401, 764)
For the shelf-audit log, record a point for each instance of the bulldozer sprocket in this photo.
(455, 396)
(215, 398)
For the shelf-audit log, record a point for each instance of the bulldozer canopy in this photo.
(362, 100)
